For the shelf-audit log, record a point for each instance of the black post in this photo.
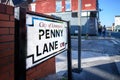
(79, 49)
(20, 44)
(69, 60)
(79, 34)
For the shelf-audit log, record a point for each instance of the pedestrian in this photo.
(104, 31)
(99, 30)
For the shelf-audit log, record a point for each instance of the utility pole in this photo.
(79, 34)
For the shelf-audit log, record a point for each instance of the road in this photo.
(100, 59)
(115, 34)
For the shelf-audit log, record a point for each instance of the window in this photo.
(3, 1)
(33, 7)
(68, 5)
(92, 14)
(74, 14)
(34, 0)
(58, 5)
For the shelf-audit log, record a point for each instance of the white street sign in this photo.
(45, 38)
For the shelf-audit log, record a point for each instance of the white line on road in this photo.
(95, 59)
(115, 42)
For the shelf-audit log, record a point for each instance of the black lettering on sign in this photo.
(45, 48)
(53, 34)
(37, 51)
(51, 46)
(41, 33)
(50, 33)
(47, 33)
(56, 44)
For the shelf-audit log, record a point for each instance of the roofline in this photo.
(117, 16)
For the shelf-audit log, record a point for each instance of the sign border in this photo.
(48, 56)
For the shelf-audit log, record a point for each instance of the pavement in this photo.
(100, 60)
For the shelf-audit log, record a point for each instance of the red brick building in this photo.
(51, 6)
(67, 10)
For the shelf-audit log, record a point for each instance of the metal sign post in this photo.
(69, 55)
(79, 35)
(20, 46)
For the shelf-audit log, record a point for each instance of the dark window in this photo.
(74, 14)
(3, 1)
(92, 14)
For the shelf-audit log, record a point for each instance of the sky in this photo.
(110, 8)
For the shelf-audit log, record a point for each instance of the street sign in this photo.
(46, 38)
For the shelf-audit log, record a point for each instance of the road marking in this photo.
(82, 40)
(96, 59)
(115, 42)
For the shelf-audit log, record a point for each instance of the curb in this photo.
(117, 65)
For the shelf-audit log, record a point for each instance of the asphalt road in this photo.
(99, 61)
(115, 34)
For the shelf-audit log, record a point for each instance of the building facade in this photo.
(68, 10)
(117, 23)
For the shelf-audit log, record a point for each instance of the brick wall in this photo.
(45, 6)
(6, 42)
(7, 50)
(42, 70)
(41, 6)
(74, 5)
